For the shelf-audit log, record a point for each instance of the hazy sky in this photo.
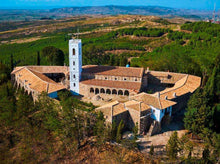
(189, 4)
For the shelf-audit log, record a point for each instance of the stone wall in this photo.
(112, 78)
(110, 93)
(181, 102)
(145, 123)
(122, 116)
(134, 117)
(155, 128)
(144, 83)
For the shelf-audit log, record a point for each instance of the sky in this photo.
(186, 4)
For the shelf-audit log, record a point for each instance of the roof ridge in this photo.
(47, 87)
(18, 69)
(167, 72)
(159, 101)
(32, 71)
(187, 75)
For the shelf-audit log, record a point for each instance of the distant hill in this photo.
(56, 13)
(133, 10)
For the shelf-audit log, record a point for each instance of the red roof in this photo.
(113, 71)
(113, 84)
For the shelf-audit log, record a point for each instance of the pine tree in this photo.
(151, 150)
(119, 131)
(12, 63)
(135, 131)
(206, 154)
(172, 146)
(38, 58)
(112, 60)
(113, 131)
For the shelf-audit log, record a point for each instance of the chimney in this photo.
(112, 113)
(158, 94)
(147, 69)
(140, 106)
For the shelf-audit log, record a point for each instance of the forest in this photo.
(58, 129)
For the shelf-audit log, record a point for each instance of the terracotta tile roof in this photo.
(119, 108)
(116, 106)
(113, 71)
(17, 69)
(136, 105)
(167, 77)
(37, 81)
(50, 69)
(152, 100)
(108, 105)
(186, 85)
(113, 84)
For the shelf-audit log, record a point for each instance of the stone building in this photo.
(38, 79)
(110, 81)
(170, 91)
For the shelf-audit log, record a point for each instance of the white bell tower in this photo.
(75, 64)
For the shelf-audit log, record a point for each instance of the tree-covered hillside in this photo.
(58, 130)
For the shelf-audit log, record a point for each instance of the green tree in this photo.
(151, 150)
(206, 154)
(119, 131)
(54, 55)
(38, 58)
(112, 60)
(12, 62)
(172, 146)
(114, 130)
(135, 131)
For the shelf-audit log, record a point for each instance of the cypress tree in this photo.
(112, 60)
(12, 63)
(206, 154)
(151, 150)
(113, 130)
(38, 58)
(135, 131)
(119, 131)
(172, 146)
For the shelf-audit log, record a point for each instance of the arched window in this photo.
(74, 51)
(91, 90)
(74, 63)
(96, 91)
(74, 84)
(102, 90)
(74, 76)
(114, 92)
(126, 93)
(120, 92)
(108, 91)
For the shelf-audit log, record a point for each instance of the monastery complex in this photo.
(171, 91)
